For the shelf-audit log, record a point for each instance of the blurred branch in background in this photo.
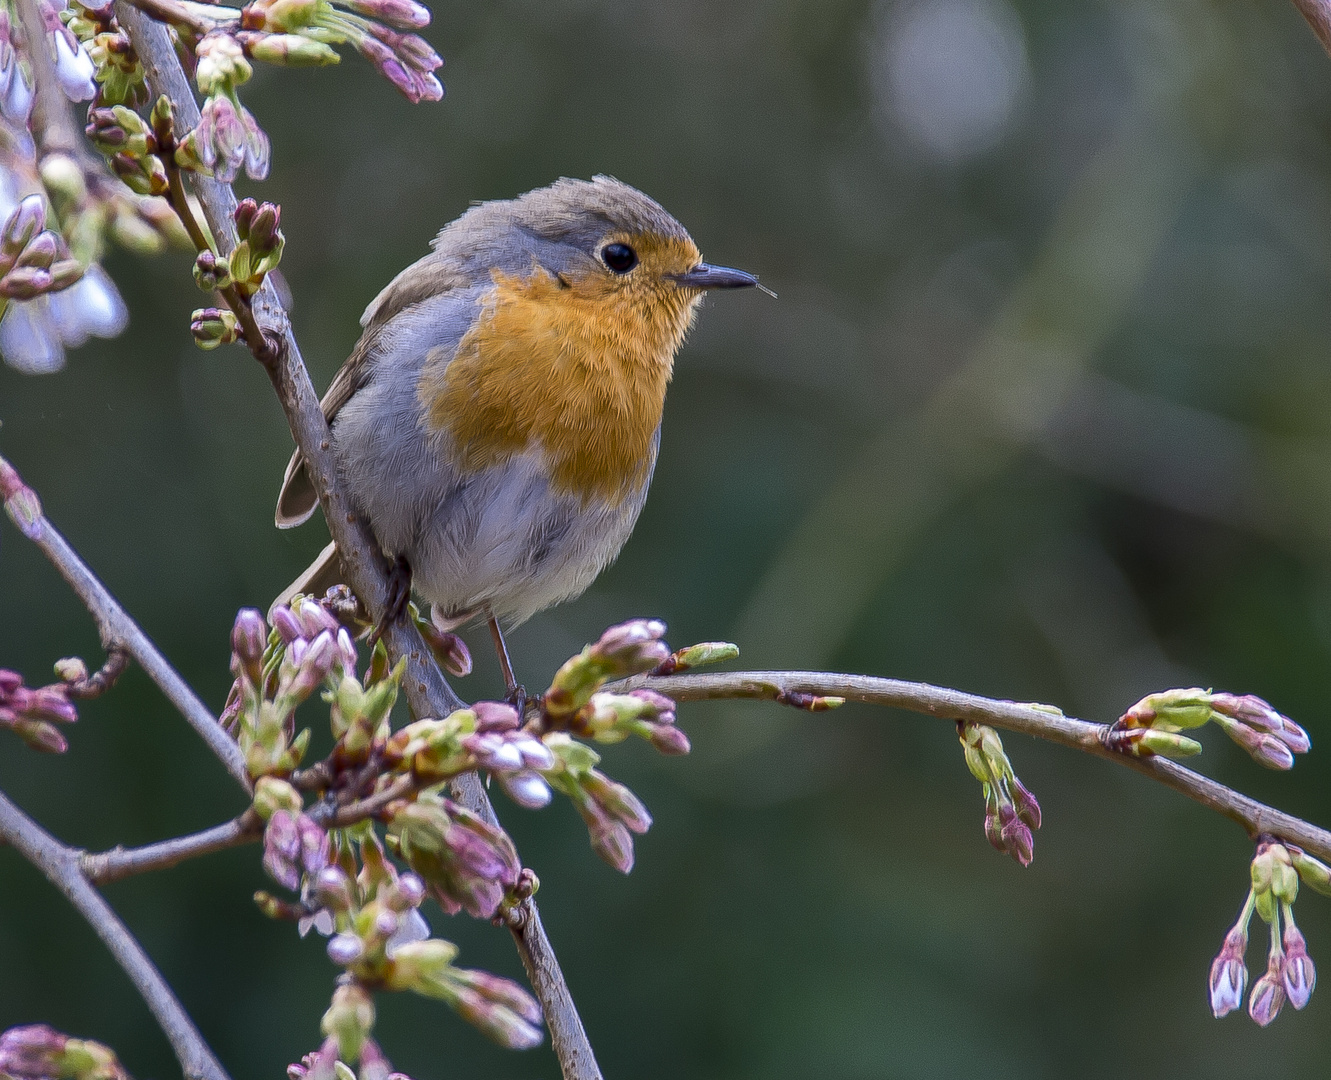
(1016, 381)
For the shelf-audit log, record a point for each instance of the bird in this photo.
(498, 422)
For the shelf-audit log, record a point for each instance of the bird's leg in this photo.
(516, 695)
(399, 594)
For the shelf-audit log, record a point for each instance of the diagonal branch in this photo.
(427, 692)
(117, 629)
(60, 866)
(1038, 720)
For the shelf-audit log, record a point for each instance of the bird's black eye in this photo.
(619, 257)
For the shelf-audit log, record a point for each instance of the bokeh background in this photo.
(1043, 412)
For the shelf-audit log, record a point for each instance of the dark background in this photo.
(1041, 413)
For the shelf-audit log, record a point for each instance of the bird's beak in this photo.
(706, 276)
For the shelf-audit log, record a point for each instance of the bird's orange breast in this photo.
(578, 369)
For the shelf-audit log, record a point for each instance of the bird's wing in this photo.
(425, 280)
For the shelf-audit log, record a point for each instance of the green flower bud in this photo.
(291, 50)
(272, 794)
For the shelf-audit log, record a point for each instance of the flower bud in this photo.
(1300, 976)
(345, 949)
(527, 789)
(274, 908)
(272, 794)
(281, 848)
(1313, 872)
(1268, 994)
(334, 890)
(211, 271)
(402, 14)
(1229, 974)
(349, 1019)
(450, 651)
(212, 327)
(495, 716)
(33, 1050)
(315, 847)
(289, 50)
(705, 652)
(68, 669)
(249, 639)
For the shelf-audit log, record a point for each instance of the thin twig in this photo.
(117, 629)
(1038, 720)
(121, 862)
(426, 690)
(60, 866)
(103, 679)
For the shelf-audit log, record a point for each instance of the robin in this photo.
(498, 422)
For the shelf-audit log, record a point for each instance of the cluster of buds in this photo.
(1010, 810)
(466, 863)
(301, 33)
(33, 258)
(213, 327)
(131, 144)
(1153, 726)
(259, 250)
(488, 736)
(39, 1052)
(1290, 974)
(612, 812)
(497, 1006)
(381, 939)
(227, 138)
(33, 713)
(629, 648)
(116, 67)
(612, 718)
(277, 671)
(294, 846)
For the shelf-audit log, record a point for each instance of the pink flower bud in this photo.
(315, 847)
(527, 789)
(669, 739)
(344, 949)
(281, 848)
(333, 889)
(1300, 976)
(31, 1050)
(286, 624)
(1268, 994)
(1229, 975)
(495, 716)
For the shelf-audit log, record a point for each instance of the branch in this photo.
(1257, 818)
(60, 866)
(427, 692)
(117, 629)
(122, 862)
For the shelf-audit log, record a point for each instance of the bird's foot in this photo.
(399, 595)
(517, 697)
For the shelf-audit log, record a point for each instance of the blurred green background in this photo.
(1043, 412)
